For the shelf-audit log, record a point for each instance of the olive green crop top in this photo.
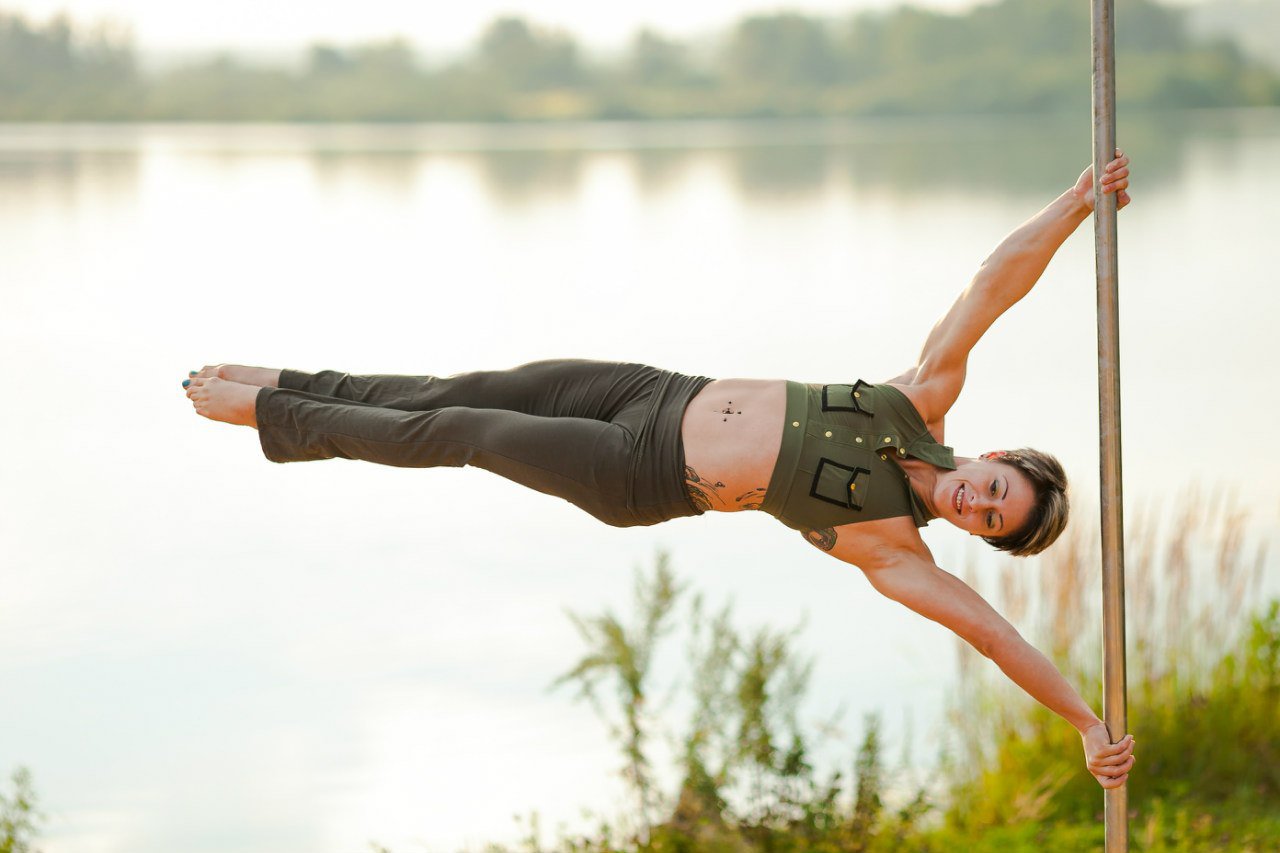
(838, 462)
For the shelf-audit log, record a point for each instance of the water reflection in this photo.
(792, 171)
(659, 169)
(516, 177)
(391, 172)
(768, 161)
(1013, 157)
(64, 176)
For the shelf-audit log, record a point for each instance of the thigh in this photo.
(583, 461)
(574, 388)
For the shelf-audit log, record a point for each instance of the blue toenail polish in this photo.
(191, 373)
(186, 382)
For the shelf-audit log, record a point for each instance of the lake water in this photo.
(202, 651)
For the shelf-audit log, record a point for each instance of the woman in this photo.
(856, 467)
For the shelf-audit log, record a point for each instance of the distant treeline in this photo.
(1009, 57)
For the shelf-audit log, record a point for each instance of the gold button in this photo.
(858, 439)
(853, 487)
(857, 394)
(888, 440)
(795, 423)
(828, 433)
(882, 456)
(902, 451)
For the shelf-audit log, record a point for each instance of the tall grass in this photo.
(1204, 705)
(1203, 686)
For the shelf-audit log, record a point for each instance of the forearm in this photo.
(1014, 267)
(1027, 667)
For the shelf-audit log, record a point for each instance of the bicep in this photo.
(944, 358)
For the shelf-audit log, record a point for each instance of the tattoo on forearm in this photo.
(753, 499)
(824, 538)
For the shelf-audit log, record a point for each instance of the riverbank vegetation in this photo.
(19, 819)
(1011, 56)
(1204, 674)
(1204, 686)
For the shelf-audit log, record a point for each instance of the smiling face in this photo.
(985, 497)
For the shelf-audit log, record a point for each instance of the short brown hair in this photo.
(1049, 514)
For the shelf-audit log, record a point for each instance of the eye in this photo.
(991, 520)
(994, 483)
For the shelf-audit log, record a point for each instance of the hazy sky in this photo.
(263, 24)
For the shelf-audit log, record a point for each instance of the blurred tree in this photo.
(57, 71)
(656, 61)
(526, 58)
(325, 59)
(781, 50)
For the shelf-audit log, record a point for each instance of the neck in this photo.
(923, 477)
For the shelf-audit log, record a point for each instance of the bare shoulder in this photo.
(916, 396)
(871, 544)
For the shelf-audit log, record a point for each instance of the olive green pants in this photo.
(604, 436)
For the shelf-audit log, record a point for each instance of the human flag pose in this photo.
(856, 467)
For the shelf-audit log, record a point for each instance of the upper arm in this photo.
(940, 372)
(942, 597)
(899, 566)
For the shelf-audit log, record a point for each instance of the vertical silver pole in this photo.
(1104, 146)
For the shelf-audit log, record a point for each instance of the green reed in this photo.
(1203, 691)
(1204, 705)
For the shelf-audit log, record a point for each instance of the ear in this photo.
(994, 454)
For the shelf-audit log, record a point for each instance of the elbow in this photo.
(995, 641)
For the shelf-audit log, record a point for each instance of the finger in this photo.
(1113, 783)
(1119, 770)
(1115, 172)
(1110, 761)
(1116, 748)
(1115, 186)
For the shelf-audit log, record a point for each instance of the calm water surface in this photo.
(202, 651)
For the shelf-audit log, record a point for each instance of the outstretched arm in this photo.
(1004, 278)
(938, 595)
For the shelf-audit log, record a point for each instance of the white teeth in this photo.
(959, 495)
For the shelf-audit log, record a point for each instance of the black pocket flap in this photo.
(840, 484)
(845, 398)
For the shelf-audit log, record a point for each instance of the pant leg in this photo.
(581, 460)
(575, 388)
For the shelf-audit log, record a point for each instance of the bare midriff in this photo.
(732, 430)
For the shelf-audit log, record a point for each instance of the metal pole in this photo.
(1104, 146)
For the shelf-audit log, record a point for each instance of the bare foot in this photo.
(263, 377)
(223, 400)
